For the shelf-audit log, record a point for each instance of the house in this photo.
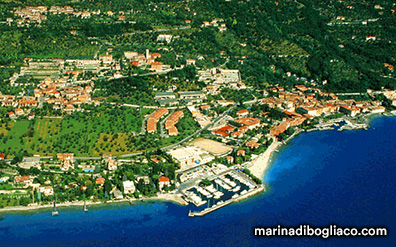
(31, 116)
(242, 113)
(241, 152)
(250, 122)
(65, 165)
(163, 181)
(11, 115)
(164, 37)
(118, 195)
(129, 187)
(230, 159)
(2, 156)
(47, 190)
(26, 180)
(155, 160)
(190, 61)
(237, 134)
(227, 129)
(112, 164)
(370, 38)
(389, 66)
(377, 109)
(145, 179)
(301, 88)
(65, 156)
(157, 66)
(106, 59)
(220, 133)
(252, 145)
(100, 181)
(19, 111)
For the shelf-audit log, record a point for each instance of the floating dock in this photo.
(222, 204)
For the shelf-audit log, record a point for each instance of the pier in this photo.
(220, 205)
(228, 187)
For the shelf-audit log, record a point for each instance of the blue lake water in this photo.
(320, 178)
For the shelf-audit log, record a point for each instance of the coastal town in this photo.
(145, 114)
(222, 162)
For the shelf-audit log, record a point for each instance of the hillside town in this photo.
(167, 101)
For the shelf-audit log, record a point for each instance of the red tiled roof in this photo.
(226, 129)
(163, 179)
(100, 181)
(224, 134)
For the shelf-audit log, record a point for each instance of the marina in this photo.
(230, 186)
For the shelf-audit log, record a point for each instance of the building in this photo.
(170, 123)
(145, 179)
(312, 111)
(230, 159)
(26, 180)
(190, 61)
(252, 145)
(164, 37)
(250, 122)
(242, 113)
(118, 195)
(164, 95)
(106, 59)
(47, 190)
(350, 110)
(163, 181)
(129, 187)
(154, 118)
(192, 97)
(65, 156)
(100, 181)
(157, 66)
(112, 164)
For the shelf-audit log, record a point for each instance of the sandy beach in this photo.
(260, 164)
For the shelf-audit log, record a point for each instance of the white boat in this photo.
(236, 189)
(54, 211)
(218, 194)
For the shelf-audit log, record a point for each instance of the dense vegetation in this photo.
(305, 38)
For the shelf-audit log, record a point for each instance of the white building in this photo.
(129, 187)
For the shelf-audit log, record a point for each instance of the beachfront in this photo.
(261, 163)
(175, 198)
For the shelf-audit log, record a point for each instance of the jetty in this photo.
(222, 204)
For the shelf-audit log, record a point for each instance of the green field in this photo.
(90, 133)
(100, 131)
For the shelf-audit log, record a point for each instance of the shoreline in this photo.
(262, 162)
(168, 197)
(258, 168)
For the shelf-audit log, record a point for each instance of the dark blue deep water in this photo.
(320, 178)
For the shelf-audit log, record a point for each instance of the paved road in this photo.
(158, 30)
